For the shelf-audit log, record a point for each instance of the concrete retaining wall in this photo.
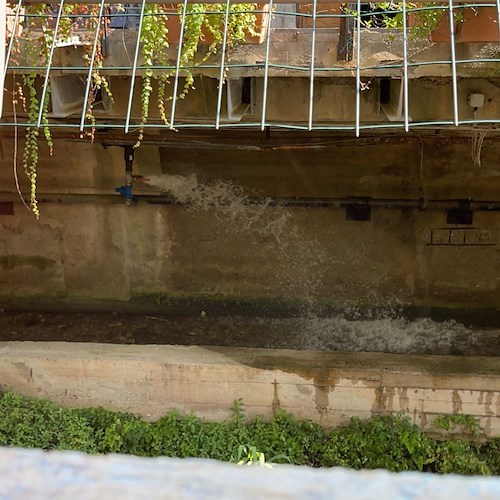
(328, 388)
(109, 251)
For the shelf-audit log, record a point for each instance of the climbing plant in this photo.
(202, 21)
(35, 52)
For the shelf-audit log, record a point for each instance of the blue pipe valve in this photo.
(126, 192)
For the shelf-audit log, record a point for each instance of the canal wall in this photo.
(328, 388)
(407, 245)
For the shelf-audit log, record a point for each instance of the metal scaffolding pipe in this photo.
(311, 74)
(266, 68)
(49, 63)
(453, 62)
(222, 61)
(134, 67)
(178, 65)
(91, 66)
(310, 70)
(358, 65)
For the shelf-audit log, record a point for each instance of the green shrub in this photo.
(115, 432)
(490, 453)
(388, 442)
(33, 423)
(284, 439)
(460, 457)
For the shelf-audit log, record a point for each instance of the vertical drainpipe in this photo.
(129, 161)
(3, 25)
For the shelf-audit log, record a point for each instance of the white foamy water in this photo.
(392, 335)
(269, 229)
(274, 233)
(231, 204)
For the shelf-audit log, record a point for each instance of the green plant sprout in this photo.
(248, 455)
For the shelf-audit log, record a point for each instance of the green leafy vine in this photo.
(34, 52)
(201, 21)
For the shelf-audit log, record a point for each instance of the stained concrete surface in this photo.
(106, 251)
(326, 387)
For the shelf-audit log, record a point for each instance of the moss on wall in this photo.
(11, 262)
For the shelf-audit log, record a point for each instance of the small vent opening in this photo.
(358, 212)
(460, 216)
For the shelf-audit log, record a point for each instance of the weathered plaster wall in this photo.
(111, 251)
(328, 388)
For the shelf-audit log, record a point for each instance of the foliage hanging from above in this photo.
(205, 24)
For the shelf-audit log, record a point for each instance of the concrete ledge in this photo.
(328, 388)
(36, 474)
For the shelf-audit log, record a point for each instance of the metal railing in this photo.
(360, 17)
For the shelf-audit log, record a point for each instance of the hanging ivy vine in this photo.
(35, 52)
(98, 82)
(201, 21)
(154, 40)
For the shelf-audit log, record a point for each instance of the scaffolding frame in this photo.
(311, 70)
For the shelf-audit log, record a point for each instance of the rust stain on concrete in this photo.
(456, 402)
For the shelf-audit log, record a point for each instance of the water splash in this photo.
(231, 204)
(391, 335)
(269, 229)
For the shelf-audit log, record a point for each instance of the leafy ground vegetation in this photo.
(389, 442)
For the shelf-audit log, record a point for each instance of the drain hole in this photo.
(6, 208)
(459, 216)
(358, 212)
(385, 91)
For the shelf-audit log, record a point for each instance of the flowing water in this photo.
(391, 335)
(270, 230)
(231, 204)
(237, 214)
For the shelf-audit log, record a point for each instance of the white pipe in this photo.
(3, 64)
